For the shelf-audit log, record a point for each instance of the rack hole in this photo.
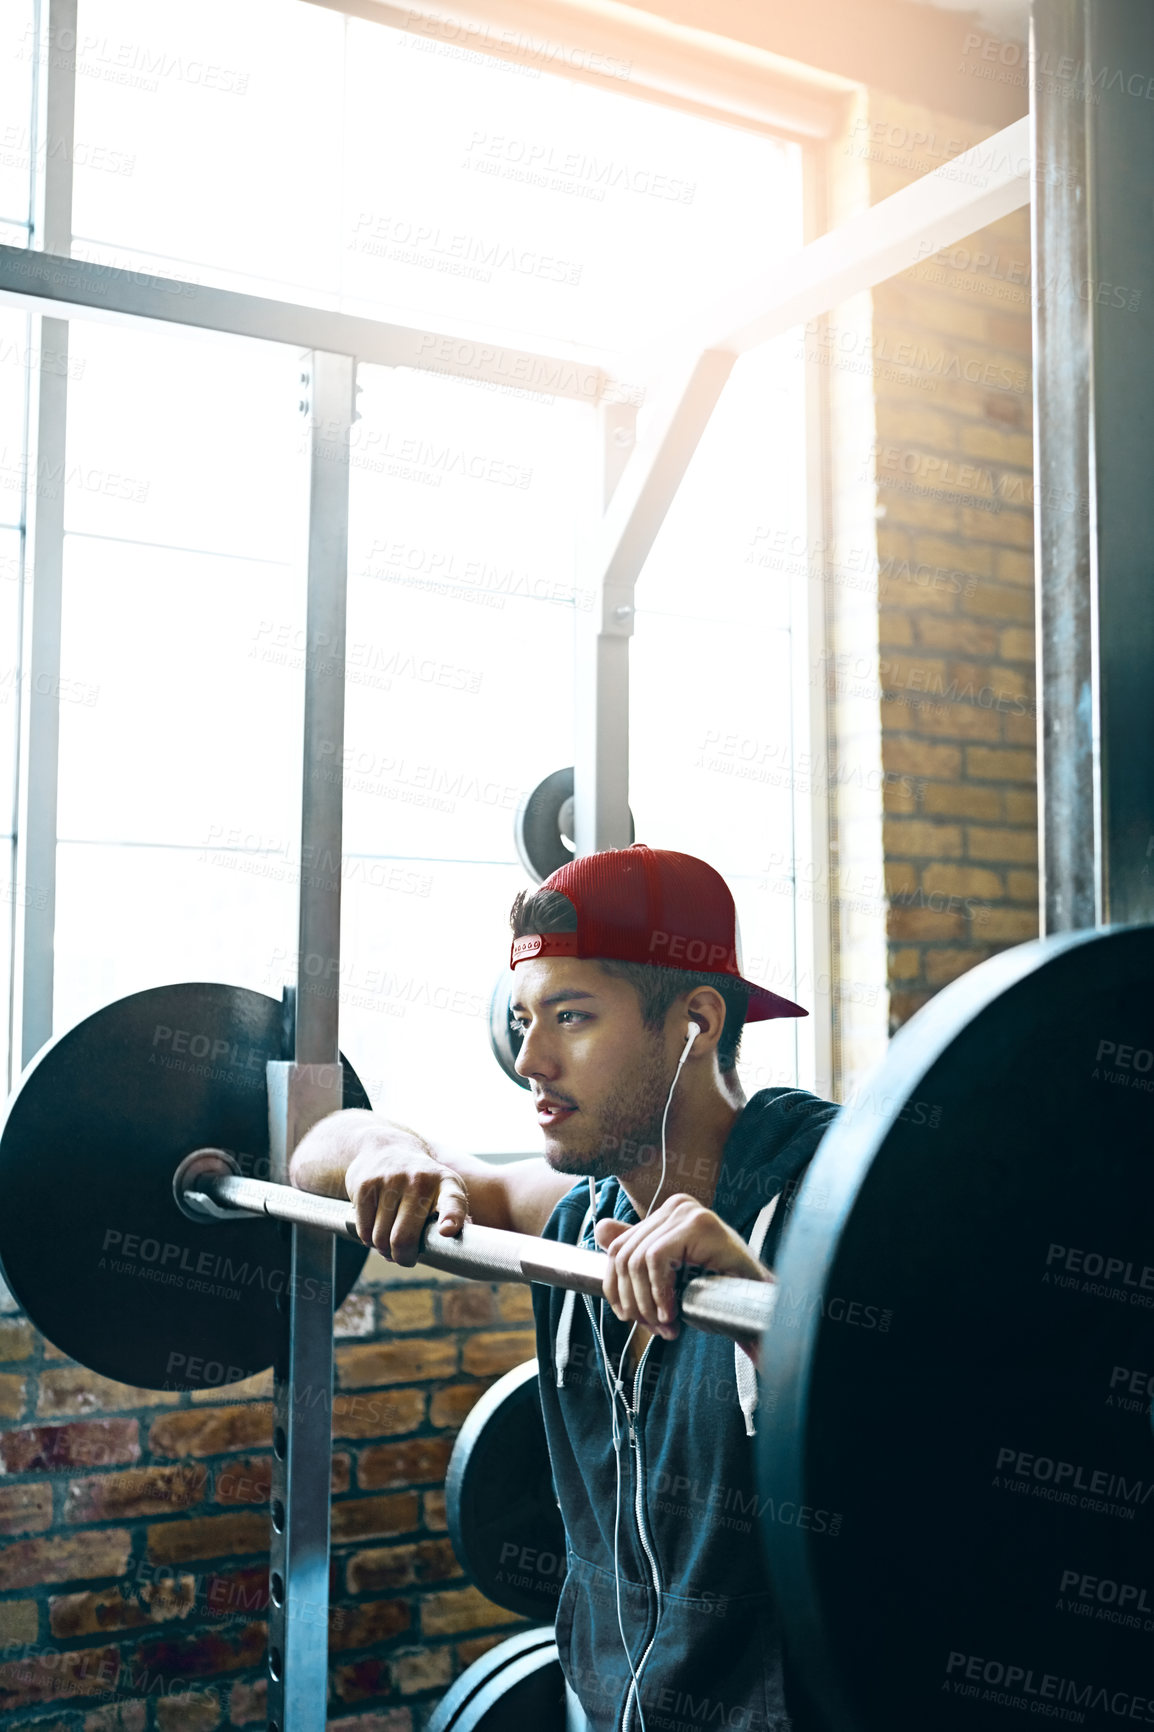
(276, 1588)
(279, 1443)
(278, 1515)
(274, 1664)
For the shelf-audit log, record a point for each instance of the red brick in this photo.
(905, 964)
(208, 1537)
(417, 1461)
(1021, 806)
(433, 1511)
(468, 1307)
(472, 1650)
(386, 1568)
(370, 1365)
(366, 1518)
(74, 1389)
(924, 923)
(377, 1720)
(1020, 846)
(962, 800)
(455, 1609)
(993, 601)
(964, 635)
(25, 1509)
(1021, 730)
(945, 965)
(406, 1308)
(104, 1611)
(945, 720)
(248, 1704)
(450, 1405)
(364, 1626)
(359, 1680)
(1022, 886)
(915, 757)
(900, 797)
(1006, 925)
(117, 1717)
(16, 1339)
(213, 1430)
(12, 1388)
(895, 630)
(225, 1592)
(202, 1653)
(248, 1479)
(989, 764)
(488, 1354)
(918, 837)
(65, 1558)
(417, 1669)
(49, 1676)
(378, 1413)
(962, 881)
(194, 1711)
(85, 1443)
(1016, 644)
(19, 1622)
(139, 1491)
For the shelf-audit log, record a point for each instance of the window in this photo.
(288, 152)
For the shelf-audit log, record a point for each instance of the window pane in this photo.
(462, 604)
(185, 490)
(17, 63)
(221, 130)
(442, 189)
(716, 761)
(186, 440)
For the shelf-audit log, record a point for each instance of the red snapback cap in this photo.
(651, 905)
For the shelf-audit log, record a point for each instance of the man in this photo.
(629, 1003)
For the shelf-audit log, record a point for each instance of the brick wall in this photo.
(952, 462)
(135, 1524)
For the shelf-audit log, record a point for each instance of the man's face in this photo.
(599, 1077)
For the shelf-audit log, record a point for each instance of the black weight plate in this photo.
(529, 1692)
(503, 1518)
(537, 826)
(957, 1464)
(91, 1242)
(503, 1041)
(445, 1717)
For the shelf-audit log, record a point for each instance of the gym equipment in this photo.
(502, 1512)
(92, 1242)
(504, 1039)
(956, 1457)
(543, 821)
(956, 1460)
(516, 1685)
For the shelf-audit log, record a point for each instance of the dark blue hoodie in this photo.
(693, 1598)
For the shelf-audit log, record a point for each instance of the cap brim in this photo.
(763, 1004)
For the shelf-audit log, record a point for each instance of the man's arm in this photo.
(395, 1180)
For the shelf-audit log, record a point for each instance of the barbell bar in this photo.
(954, 1446)
(207, 1186)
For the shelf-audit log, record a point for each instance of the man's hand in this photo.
(646, 1260)
(395, 1189)
(389, 1174)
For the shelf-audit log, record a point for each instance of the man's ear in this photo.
(705, 1009)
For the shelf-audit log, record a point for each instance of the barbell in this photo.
(956, 1462)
